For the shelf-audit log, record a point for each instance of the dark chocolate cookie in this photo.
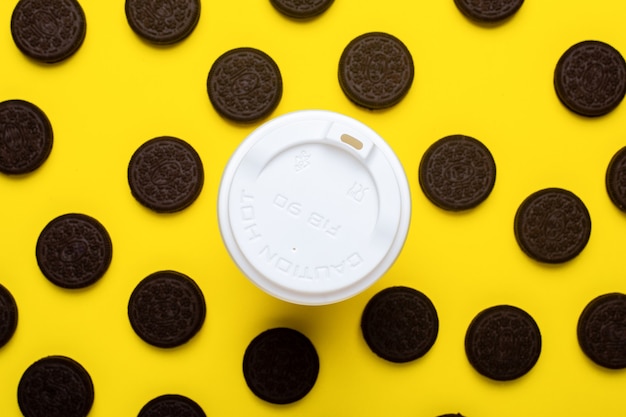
(590, 78)
(488, 11)
(165, 174)
(171, 405)
(244, 85)
(602, 330)
(457, 173)
(74, 250)
(163, 22)
(552, 225)
(503, 343)
(166, 309)
(55, 386)
(616, 179)
(280, 365)
(376, 70)
(400, 324)
(301, 9)
(48, 30)
(25, 137)
(8, 316)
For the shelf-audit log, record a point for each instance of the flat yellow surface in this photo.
(494, 84)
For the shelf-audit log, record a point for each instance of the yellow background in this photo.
(494, 84)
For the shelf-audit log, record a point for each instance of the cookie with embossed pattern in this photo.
(602, 330)
(165, 174)
(171, 405)
(590, 78)
(8, 315)
(457, 173)
(400, 324)
(55, 386)
(301, 9)
(488, 11)
(244, 85)
(166, 309)
(25, 137)
(503, 342)
(48, 30)
(280, 365)
(552, 225)
(74, 250)
(616, 179)
(376, 70)
(163, 22)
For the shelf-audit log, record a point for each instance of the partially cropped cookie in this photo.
(301, 9)
(48, 31)
(503, 342)
(616, 179)
(590, 78)
(25, 137)
(488, 11)
(163, 22)
(171, 405)
(244, 85)
(165, 174)
(457, 173)
(400, 324)
(376, 70)
(8, 315)
(552, 225)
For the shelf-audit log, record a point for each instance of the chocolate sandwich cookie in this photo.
(74, 251)
(280, 365)
(457, 173)
(602, 330)
(171, 405)
(590, 78)
(503, 342)
(301, 9)
(25, 137)
(552, 225)
(166, 309)
(400, 324)
(376, 70)
(165, 174)
(48, 31)
(8, 316)
(616, 179)
(244, 85)
(488, 11)
(55, 386)
(163, 22)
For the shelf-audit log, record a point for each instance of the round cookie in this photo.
(244, 85)
(301, 9)
(166, 309)
(163, 22)
(616, 179)
(590, 78)
(8, 316)
(602, 330)
(74, 251)
(55, 386)
(503, 343)
(552, 225)
(400, 324)
(171, 405)
(376, 70)
(488, 11)
(165, 174)
(48, 31)
(280, 365)
(25, 137)
(457, 173)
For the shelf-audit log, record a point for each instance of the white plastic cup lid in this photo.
(314, 207)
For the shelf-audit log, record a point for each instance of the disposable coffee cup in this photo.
(314, 207)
